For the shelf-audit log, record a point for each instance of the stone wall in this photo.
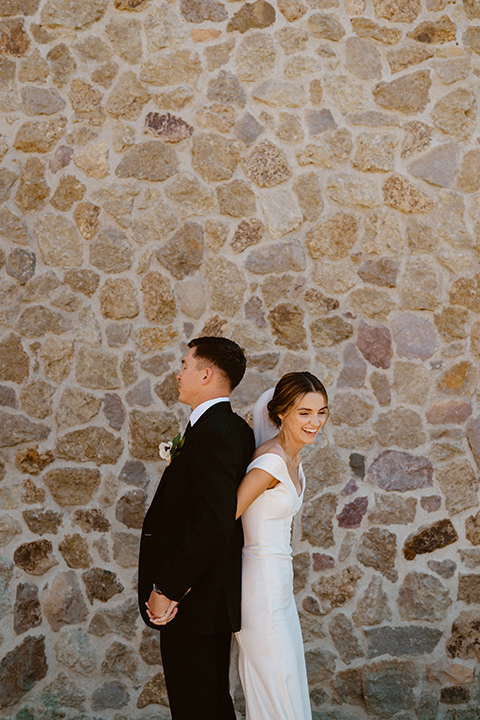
(305, 178)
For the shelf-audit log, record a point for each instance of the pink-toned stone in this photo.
(448, 411)
(375, 344)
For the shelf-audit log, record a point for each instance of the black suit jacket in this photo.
(190, 538)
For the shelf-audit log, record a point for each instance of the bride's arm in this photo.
(252, 486)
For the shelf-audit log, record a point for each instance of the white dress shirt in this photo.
(200, 409)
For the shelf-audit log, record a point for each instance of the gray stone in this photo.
(392, 510)
(388, 687)
(444, 568)
(120, 620)
(372, 607)
(21, 265)
(183, 253)
(114, 410)
(276, 258)
(74, 650)
(344, 638)
(320, 665)
(354, 368)
(397, 641)
(438, 166)
(112, 694)
(317, 520)
(16, 429)
(130, 509)
(423, 597)
(414, 336)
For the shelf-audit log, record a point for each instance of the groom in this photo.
(190, 553)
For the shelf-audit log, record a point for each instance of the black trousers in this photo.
(196, 669)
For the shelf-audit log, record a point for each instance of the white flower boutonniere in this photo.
(170, 450)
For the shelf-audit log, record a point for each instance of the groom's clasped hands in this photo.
(160, 609)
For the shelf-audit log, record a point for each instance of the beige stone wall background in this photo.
(305, 178)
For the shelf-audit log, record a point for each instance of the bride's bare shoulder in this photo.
(270, 446)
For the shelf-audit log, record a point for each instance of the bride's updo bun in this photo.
(289, 388)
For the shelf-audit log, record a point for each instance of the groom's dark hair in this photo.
(225, 354)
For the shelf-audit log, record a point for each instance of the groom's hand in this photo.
(160, 609)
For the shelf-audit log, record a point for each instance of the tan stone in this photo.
(156, 225)
(86, 218)
(277, 92)
(255, 57)
(301, 66)
(372, 303)
(397, 10)
(40, 136)
(449, 220)
(93, 160)
(72, 486)
(36, 398)
(292, 39)
(287, 322)
(459, 485)
(345, 93)
(76, 407)
(292, 10)
(127, 98)
(149, 339)
(70, 14)
(333, 238)
(375, 152)
(266, 165)
(125, 37)
(330, 331)
(174, 68)
(218, 55)
(471, 38)
(325, 27)
(400, 194)
(353, 191)
(158, 299)
(289, 129)
(236, 198)
(183, 253)
(214, 157)
(419, 287)
(57, 356)
(432, 32)
(96, 369)
(362, 58)
(32, 190)
(258, 14)
(58, 241)
(411, 382)
(118, 299)
(69, 191)
(407, 55)
(408, 94)
(336, 277)
(12, 228)
(309, 196)
(204, 34)
(455, 113)
(216, 117)
(475, 339)
(227, 286)
(189, 197)
(86, 102)
(401, 427)
(216, 233)
(451, 70)
(191, 297)
(460, 379)
(468, 178)
(366, 28)
(14, 361)
(417, 137)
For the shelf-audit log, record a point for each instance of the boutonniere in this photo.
(170, 450)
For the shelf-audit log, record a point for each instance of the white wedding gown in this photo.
(271, 654)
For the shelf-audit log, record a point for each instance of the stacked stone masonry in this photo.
(304, 177)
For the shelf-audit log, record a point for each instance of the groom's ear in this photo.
(207, 375)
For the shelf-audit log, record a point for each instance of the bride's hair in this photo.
(289, 388)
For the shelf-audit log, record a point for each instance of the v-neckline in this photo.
(302, 488)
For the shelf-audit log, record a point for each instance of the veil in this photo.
(263, 427)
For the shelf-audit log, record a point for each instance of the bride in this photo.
(271, 656)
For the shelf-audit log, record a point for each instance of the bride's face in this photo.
(306, 418)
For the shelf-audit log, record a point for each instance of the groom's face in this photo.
(190, 380)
